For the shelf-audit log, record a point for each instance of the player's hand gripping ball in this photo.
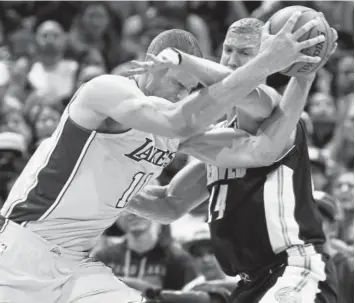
(322, 50)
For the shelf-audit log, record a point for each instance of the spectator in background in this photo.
(6, 103)
(342, 188)
(140, 29)
(341, 149)
(339, 252)
(45, 123)
(318, 168)
(148, 254)
(22, 43)
(87, 73)
(51, 75)
(13, 151)
(322, 111)
(19, 87)
(343, 81)
(218, 15)
(200, 247)
(14, 121)
(97, 28)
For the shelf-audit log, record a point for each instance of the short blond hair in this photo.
(247, 26)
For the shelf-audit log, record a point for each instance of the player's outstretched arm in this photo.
(228, 147)
(237, 148)
(206, 71)
(115, 97)
(109, 96)
(166, 204)
(209, 72)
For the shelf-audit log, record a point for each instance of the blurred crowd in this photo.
(50, 48)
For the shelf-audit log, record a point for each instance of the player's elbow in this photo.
(169, 217)
(183, 125)
(265, 155)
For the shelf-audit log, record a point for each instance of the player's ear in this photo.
(265, 30)
(154, 77)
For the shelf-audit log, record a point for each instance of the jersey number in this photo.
(138, 181)
(217, 209)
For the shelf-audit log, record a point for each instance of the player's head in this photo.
(242, 42)
(171, 84)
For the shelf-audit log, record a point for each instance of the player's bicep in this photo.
(119, 98)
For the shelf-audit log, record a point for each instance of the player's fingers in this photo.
(334, 35)
(152, 57)
(291, 22)
(160, 59)
(133, 71)
(311, 42)
(140, 63)
(335, 46)
(327, 57)
(306, 28)
(309, 59)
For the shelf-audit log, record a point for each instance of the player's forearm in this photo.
(208, 72)
(166, 204)
(274, 133)
(210, 103)
(153, 203)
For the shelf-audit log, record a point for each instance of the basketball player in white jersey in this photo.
(114, 136)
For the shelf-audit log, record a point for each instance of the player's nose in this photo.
(183, 93)
(234, 61)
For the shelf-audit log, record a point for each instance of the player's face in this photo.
(239, 48)
(343, 189)
(174, 85)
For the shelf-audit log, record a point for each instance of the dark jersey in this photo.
(258, 213)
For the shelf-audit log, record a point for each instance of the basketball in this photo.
(278, 20)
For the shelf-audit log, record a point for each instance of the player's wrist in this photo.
(264, 62)
(173, 55)
(179, 55)
(306, 78)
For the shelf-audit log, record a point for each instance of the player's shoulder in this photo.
(112, 84)
(95, 100)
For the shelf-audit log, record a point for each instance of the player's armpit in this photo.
(166, 204)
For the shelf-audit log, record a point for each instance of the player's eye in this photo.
(227, 49)
(180, 85)
(245, 52)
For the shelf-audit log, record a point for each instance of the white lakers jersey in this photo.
(78, 181)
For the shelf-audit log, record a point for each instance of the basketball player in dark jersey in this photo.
(264, 222)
